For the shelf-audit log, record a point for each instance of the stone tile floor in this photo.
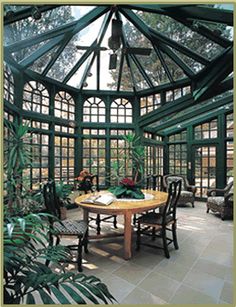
(200, 272)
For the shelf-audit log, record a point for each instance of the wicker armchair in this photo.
(188, 191)
(221, 201)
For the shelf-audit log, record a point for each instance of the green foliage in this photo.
(135, 154)
(25, 274)
(126, 192)
(19, 199)
(63, 191)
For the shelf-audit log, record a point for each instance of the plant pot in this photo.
(63, 213)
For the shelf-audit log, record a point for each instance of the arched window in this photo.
(94, 110)
(35, 97)
(121, 111)
(64, 106)
(8, 84)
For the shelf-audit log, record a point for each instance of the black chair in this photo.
(156, 224)
(153, 182)
(65, 227)
(90, 184)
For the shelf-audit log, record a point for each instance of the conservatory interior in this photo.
(118, 154)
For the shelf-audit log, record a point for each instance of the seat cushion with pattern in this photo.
(176, 178)
(154, 218)
(70, 227)
(186, 194)
(216, 200)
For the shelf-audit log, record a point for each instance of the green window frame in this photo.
(94, 157)
(94, 110)
(149, 103)
(206, 130)
(178, 159)
(230, 125)
(8, 84)
(36, 97)
(121, 111)
(64, 106)
(229, 160)
(38, 172)
(64, 158)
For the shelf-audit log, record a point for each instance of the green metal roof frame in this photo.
(185, 14)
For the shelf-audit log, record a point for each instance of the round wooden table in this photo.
(126, 208)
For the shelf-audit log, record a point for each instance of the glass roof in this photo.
(111, 47)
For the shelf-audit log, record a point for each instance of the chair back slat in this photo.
(154, 182)
(51, 200)
(169, 210)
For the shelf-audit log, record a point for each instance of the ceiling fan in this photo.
(114, 43)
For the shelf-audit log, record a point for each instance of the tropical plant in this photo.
(19, 199)
(127, 189)
(132, 155)
(25, 275)
(63, 191)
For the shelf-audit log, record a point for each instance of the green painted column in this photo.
(190, 156)
(79, 140)
(52, 93)
(221, 153)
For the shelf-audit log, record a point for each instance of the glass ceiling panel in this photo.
(195, 66)
(153, 68)
(109, 78)
(27, 27)
(91, 80)
(181, 34)
(42, 62)
(67, 59)
(126, 80)
(75, 80)
(176, 72)
(70, 55)
(219, 29)
(140, 82)
(25, 52)
(133, 36)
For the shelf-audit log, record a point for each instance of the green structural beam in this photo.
(80, 25)
(198, 120)
(40, 52)
(212, 75)
(156, 37)
(167, 109)
(100, 37)
(25, 13)
(160, 56)
(189, 114)
(203, 13)
(187, 70)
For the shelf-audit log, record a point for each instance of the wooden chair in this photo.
(188, 191)
(221, 201)
(65, 227)
(91, 184)
(156, 224)
(153, 182)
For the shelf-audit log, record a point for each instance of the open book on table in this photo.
(104, 199)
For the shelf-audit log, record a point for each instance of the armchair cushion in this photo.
(216, 200)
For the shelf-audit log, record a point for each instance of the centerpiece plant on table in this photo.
(132, 155)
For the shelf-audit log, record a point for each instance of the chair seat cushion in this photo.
(70, 227)
(154, 218)
(186, 194)
(216, 200)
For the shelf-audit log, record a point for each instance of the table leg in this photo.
(127, 235)
(86, 216)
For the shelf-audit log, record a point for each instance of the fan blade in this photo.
(113, 61)
(141, 51)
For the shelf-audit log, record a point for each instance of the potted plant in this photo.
(63, 191)
(132, 154)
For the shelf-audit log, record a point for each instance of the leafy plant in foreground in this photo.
(25, 274)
